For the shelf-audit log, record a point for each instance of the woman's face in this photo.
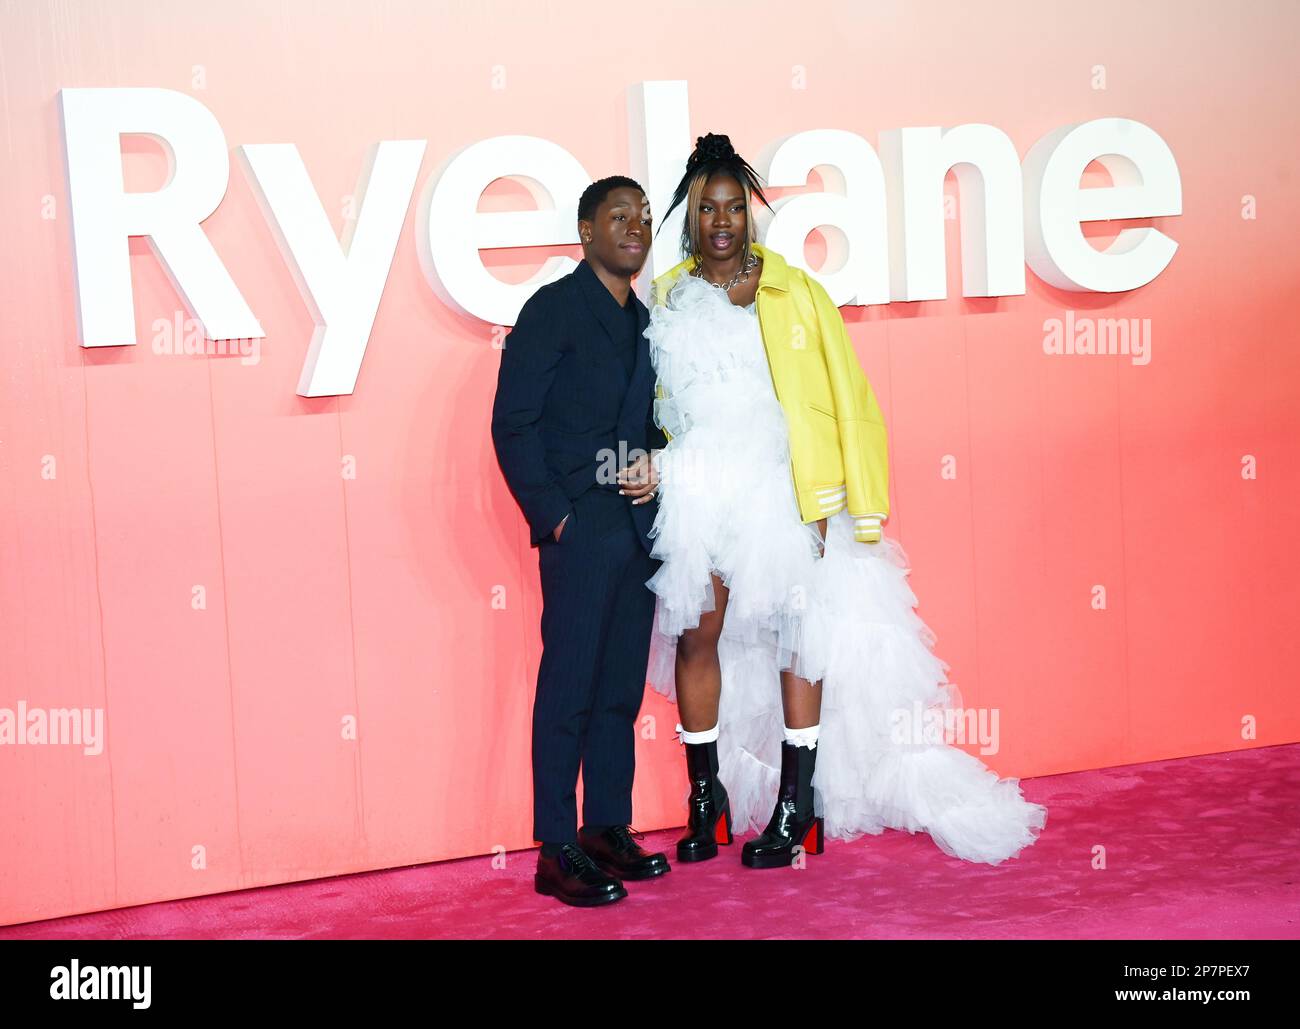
(722, 218)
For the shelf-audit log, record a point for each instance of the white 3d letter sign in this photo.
(856, 209)
(105, 216)
(992, 237)
(1147, 185)
(453, 231)
(341, 284)
(885, 208)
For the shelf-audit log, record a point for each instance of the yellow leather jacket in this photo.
(838, 447)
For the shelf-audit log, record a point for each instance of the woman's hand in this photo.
(821, 528)
(639, 480)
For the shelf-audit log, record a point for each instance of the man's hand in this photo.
(638, 480)
(559, 529)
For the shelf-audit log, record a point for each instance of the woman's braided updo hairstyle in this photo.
(713, 155)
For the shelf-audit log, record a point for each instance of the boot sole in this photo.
(697, 854)
(766, 861)
(770, 860)
(578, 902)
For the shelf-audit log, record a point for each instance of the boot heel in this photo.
(814, 841)
(722, 829)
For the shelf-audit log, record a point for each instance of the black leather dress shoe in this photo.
(618, 853)
(572, 877)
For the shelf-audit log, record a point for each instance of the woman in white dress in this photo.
(790, 644)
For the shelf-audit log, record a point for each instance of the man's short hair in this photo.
(594, 195)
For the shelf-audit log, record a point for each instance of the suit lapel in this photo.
(638, 387)
(611, 318)
(602, 305)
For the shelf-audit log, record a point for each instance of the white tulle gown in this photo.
(727, 505)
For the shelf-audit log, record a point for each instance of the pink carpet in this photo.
(1205, 847)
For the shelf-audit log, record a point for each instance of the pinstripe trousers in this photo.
(597, 615)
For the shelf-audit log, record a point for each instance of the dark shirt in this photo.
(627, 345)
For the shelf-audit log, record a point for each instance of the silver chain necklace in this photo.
(751, 262)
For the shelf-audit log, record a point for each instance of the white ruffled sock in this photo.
(803, 737)
(703, 736)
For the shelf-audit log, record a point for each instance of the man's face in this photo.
(618, 236)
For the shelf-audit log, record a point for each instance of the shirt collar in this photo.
(597, 290)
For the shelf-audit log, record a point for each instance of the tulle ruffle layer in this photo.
(846, 619)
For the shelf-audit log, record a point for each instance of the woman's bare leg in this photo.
(699, 675)
(801, 701)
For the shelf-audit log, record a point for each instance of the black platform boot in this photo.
(793, 823)
(709, 821)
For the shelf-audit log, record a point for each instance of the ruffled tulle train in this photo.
(727, 505)
(879, 765)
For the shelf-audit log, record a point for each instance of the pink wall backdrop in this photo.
(134, 481)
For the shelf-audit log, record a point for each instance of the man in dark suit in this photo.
(573, 428)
